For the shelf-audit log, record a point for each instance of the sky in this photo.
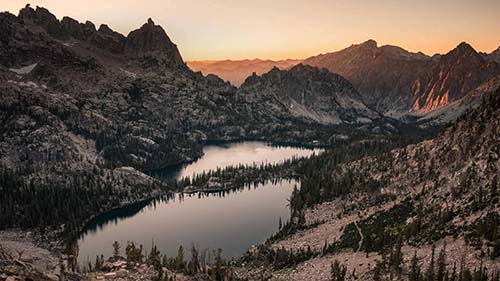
(280, 29)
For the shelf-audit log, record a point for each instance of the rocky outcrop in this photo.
(43, 18)
(151, 41)
(22, 259)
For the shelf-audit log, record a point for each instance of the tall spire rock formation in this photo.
(151, 40)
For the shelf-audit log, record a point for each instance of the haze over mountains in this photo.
(236, 71)
(392, 80)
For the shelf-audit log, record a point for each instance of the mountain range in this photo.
(394, 81)
(82, 97)
(397, 82)
(86, 113)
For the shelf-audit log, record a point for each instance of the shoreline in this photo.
(57, 245)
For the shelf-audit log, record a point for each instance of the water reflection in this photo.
(230, 220)
(233, 154)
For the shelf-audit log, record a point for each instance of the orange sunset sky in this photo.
(279, 29)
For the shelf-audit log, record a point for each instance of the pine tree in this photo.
(99, 261)
(415, 273)
(116, 249)
(442, 264)
(195, 263)
(218, 266)
(494, 187)
(454, 273)
(396, 258)
(62, 270)
(430, 274)
(368, 243)
(154, 258)
(377, 272)
(338, 271)
(179, 260)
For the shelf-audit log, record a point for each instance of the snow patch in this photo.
(363, 120)
(29, 84)
(146, 140)
(129, 73)
(24, 70)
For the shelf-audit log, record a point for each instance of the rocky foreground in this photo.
(22, 259)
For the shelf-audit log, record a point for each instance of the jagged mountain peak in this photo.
(38, 14)
(43, 18)
(463, 49)
(453, 76)
(104, 28)
(370, 43)
(303, 71)
(152, 40)
(464, 53)
(90, 25)
(496, 52)
(311, 71)
(464, 46)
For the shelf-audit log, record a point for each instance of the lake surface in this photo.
(232, 154)
(231, 221)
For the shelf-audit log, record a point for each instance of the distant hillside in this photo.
(236, 71)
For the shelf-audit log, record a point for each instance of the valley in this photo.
(119, 160)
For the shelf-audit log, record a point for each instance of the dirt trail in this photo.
(360, 245)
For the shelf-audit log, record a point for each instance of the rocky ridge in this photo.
(399, 83)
